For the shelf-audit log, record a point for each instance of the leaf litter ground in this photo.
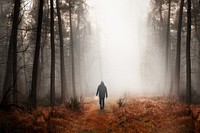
(136, 115)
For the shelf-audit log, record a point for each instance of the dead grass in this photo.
(138, 115)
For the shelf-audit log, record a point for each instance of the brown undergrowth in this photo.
(137, 115)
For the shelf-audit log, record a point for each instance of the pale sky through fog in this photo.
(119, 23)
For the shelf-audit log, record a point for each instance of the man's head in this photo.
(102, 82)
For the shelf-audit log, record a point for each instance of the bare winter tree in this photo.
(52, 93)
(11, 69)
(36, 56)
(72, 49)
(168, 37)
(178, 49)
(188, 60)
(62, 57)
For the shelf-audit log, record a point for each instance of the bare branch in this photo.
(22, 51)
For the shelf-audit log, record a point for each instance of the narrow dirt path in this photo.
(139, 115)
(95, 119)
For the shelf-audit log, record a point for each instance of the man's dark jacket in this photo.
(102, 91)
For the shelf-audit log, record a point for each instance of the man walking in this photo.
(102, 91)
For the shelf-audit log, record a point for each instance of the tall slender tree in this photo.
(178, 49)
(52, 93)
(62, 57)
(72, 49)
(16, 21)
(11, 68)
(79, 11)
(167, 39)
(188, 60)
(197, 32)
(36, 56)
(44, 37)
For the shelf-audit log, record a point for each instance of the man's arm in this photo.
(106, 93)
(97, 91)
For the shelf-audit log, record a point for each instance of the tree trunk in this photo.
(36, 57)
(160, 11)
(62, 57)
(162, 46)
(167, 38)
(25, 75)
(11, 69)
(52, 94)
(15, 26)
(78, 40)
(188, 61)
(167, 42)
(44, 41)
(171, 81)
(197, 33)
(178, 50)
(72, 49)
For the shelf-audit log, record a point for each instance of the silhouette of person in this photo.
(102, 91)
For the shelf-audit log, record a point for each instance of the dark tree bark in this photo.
(167, 40)
(11, 69)
(15, 26)
(188, 60)
(197, 33)
(62, 57)
(167, 37)
(72, 49)
(36, 57)
(52, 93)
(44, 37)
(178, 49)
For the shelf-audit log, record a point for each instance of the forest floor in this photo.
(136, 115)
